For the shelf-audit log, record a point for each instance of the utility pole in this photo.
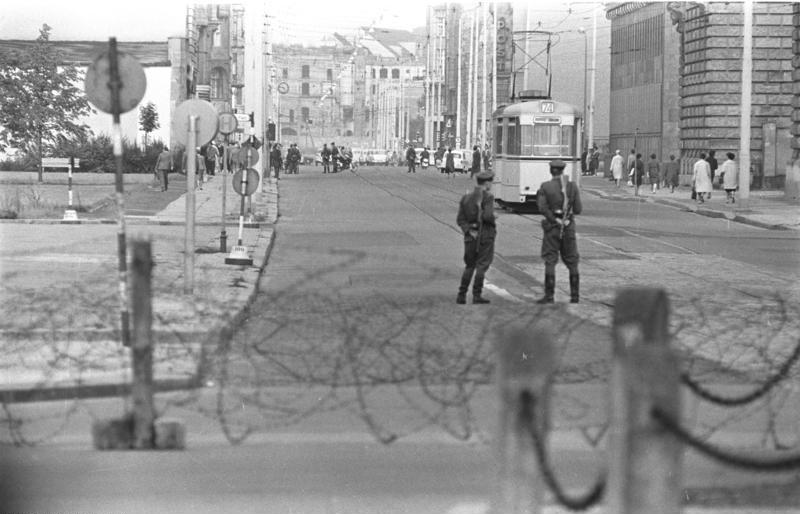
(527, 31)
(474, 79)
(458, 83)
(747, 90)
(434, 84)
(494, 57)
(426, 132)
(468, 127)
(594, 74)
(485, 71)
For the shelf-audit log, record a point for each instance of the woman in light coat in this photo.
(730, 177)
(617, 167)
(701, 178)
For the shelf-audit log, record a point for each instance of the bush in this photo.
(97, 154)
(21, 162)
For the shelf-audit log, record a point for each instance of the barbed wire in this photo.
(527, 419)
(740, 461)
(762, 390)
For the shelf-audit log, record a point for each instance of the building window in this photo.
(286, 73)
(305, 114)
(291, 115)
(384, 73)
(395, 73)
(373, 89)
(305, 72)
(217, 83)
(304, 89)
(329, 75)
(216, 38)
(372, 72)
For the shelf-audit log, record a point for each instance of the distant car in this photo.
(458, 160)
(418, 152)
(378, 156)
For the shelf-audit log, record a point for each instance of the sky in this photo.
(155, 20)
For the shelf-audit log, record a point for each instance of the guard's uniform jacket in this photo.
(476, 216)
(550, 199)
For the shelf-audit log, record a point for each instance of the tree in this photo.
(40, 103)
(148, 120)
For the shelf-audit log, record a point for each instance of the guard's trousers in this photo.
(553, 245)
(477, 260)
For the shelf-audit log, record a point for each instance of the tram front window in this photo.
(552, 140)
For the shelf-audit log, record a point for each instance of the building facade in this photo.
(676, 73)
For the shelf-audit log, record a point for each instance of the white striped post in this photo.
(191, 170)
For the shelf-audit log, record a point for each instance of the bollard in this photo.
(645, 459)
(142, 347)
(526, 362)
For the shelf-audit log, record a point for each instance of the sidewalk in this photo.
(59, 328)
(767, 209)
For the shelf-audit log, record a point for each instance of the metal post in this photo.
(69, 182)
(484, 114)
(458, 81)
(223, 235)
(526, 362)
(744, 123)
(191, 170)
(142, 348)
(590, 138)
(115, 84)
(645, 459)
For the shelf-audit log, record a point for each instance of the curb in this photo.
(709, 213)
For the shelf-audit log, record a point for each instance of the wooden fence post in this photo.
(526, 362)
(645, 459)
(142, 347)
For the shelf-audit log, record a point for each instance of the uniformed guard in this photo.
(477, 221)
(559, 201)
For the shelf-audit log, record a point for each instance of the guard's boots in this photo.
(477, 289)
(549, 289)
(574, 287)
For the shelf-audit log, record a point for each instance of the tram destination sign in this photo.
(547, 119)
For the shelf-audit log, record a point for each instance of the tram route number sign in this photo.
(548, 107)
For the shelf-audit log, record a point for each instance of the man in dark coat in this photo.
(559, 200)
(411, 159)
(276, 160)
(335, 157)
(477, 222)
(713, 164)
(476, 161)
(326, 158)
(449, 163)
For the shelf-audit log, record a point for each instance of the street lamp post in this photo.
(585, 82)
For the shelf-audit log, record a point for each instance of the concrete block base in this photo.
(113, 434)
(170, 434)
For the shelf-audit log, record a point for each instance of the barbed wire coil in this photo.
(584, 502)
(762, 390)
(740, 461)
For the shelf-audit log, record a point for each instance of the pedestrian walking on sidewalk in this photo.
(477, 222)
(729, 175)
(559, 201)
(671, 174)
(164, 165)
(276, 160)
(200, 167)
(701, 178)
(617, 167)
(212, 154)
(449, 163)
(637, 173)
(630, 164)
(712, 166)
(654, 172)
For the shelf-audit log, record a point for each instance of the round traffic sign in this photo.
(248, 156)
(227, 123)
(283, 88)
(252, 182)
(207, 121)
(132, 78)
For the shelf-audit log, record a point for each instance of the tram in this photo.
(527, 135)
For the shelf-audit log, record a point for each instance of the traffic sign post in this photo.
(245, 182)
(227, 125)
(115, 83)
(70, 214)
